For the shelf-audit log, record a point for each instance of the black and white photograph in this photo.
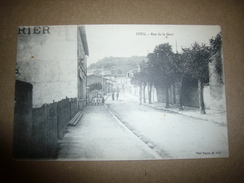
(119, 92)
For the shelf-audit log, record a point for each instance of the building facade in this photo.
(50, 86)
(82, 54)
(98, 85)
(47, 58)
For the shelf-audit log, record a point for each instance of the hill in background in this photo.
(115, 65)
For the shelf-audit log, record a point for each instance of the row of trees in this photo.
(164, 67)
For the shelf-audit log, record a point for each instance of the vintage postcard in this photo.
(119, 92)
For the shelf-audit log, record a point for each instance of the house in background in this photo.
(121, 82)
(98, 85)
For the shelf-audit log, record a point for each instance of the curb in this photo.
(175, 112)
(155, 154)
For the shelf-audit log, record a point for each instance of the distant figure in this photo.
(98, 100)
(113, 96)
(95, 100)
(117, 95)
(103, 100)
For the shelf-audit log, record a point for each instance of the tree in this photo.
(144, 78)
(95, 86)
(164, 68)
(140, 79)
(181, 65)
(136, 80)
(198, 57)
(151, 76)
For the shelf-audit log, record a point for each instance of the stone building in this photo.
(51, 66)
(49, 58)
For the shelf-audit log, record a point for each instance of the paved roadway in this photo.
(172, 136)
(125, 130)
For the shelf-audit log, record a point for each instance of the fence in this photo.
(22, 120)
(49, 124)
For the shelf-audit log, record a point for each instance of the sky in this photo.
(139, 40)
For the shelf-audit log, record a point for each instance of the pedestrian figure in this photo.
(117, 95)
(99, 100)
(95, 100)
(103, 100)
(113, 96)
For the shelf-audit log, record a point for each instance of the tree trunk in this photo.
(201, 100)
(174, 97)
(167, 96)
(181, 95)
(140, 94)
(144, 93)
(150, 93)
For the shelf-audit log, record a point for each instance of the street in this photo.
(125, 130)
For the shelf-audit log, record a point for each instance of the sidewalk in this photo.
(211, 115)
(100, 136)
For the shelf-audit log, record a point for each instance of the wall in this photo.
(190, 93)
(207, 97)
(49, 62)
(22, 119)
(217, 87)
(161, 95)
